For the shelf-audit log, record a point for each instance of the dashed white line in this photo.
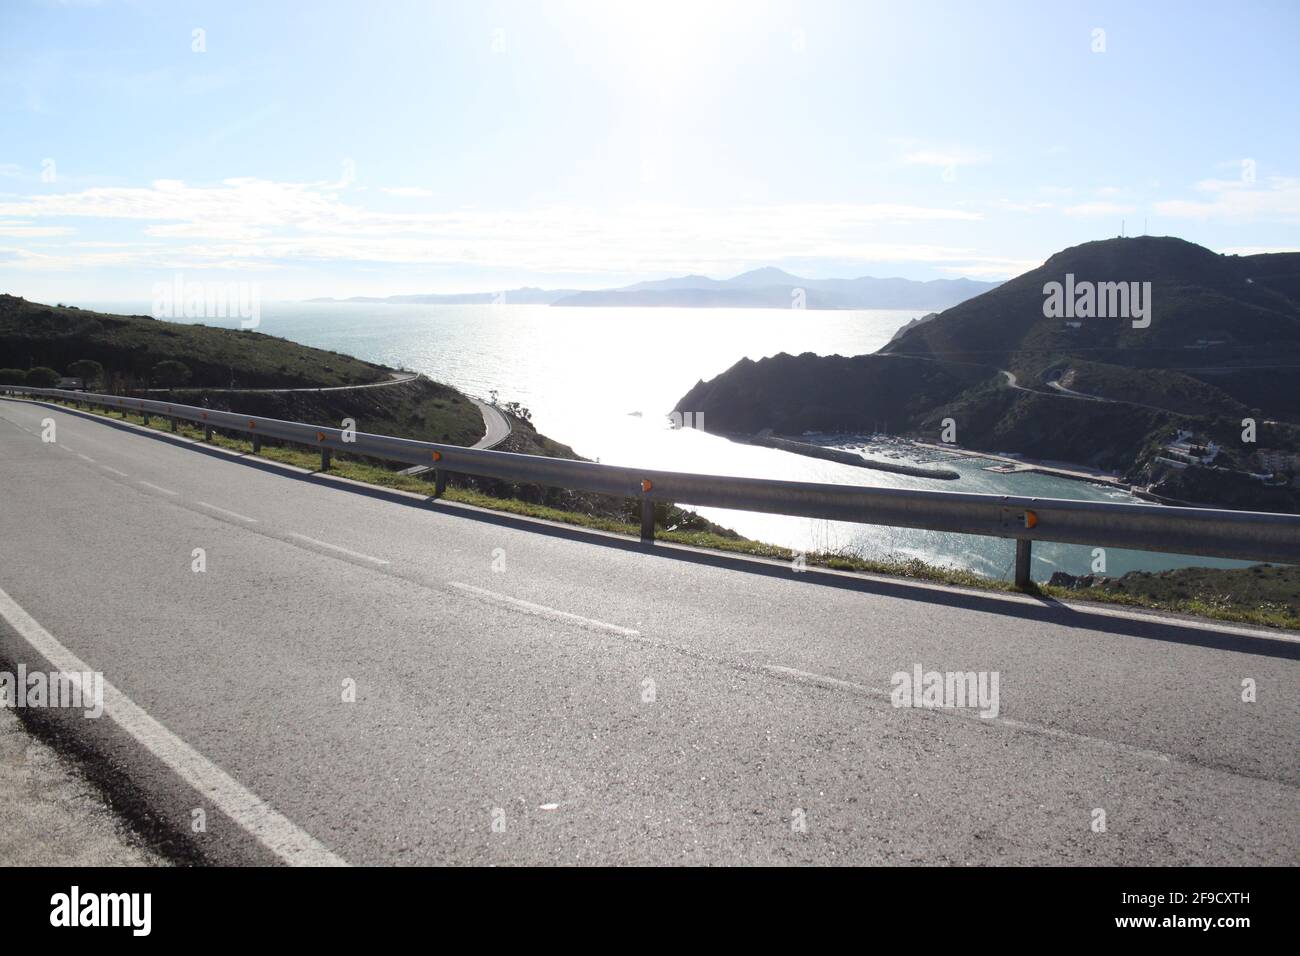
(85, 458)
(542, 610)
(1007, 722)
(823, 679)
(290, 844)
(115, 471)
(232, 514)
(1143, 752)
(335, 547)
(150, 484)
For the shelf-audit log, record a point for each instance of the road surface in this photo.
(496, 429)
(496, 424)
(1061, 391)
(394, 378)
(526, 693)
(1071, 393)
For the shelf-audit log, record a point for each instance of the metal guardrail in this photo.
(1243, 535)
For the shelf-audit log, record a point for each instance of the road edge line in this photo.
(277, 833)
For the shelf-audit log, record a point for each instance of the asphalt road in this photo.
(496, 429)
(531, 694)
(394, 378)
(497, 425)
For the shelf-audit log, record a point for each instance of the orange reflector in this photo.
(646, 484)
(205, 414)
(320, 436)
(1031, 519)
(437, 456)
(252, 424)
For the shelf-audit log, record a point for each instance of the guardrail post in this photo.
(647, 520)
(324, 459)
(173, 423)
(257, 444)
(207, 433)
(439, 482)
(1023, 546)
(145, 416)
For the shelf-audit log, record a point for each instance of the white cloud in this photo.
(258, 221)
(18, 229)
(1100, 208)
(411, 192)
(944, 159)
(1011, 205)
(1276, 199)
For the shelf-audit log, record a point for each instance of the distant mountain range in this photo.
(766, 288)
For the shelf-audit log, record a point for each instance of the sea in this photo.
(603, 380)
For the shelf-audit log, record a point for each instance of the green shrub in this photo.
(88, 370)
(43, 377)
(170, 373)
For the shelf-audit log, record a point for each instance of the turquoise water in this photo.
(603, 379)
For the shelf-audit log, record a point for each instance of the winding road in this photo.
(496, 424)
(496, 427)
(397, 378)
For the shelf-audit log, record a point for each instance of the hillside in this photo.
(129, 346)
(1222, 344)
(792, 394)
(1215, 322)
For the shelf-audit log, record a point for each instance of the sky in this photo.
(395, 146)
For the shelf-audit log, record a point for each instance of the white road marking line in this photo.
(85, 457)
(543, 610)
(1007, 722)
(1085, 738)
(822, 679)
(150, 484)
(115, 471)
(233, 514)
(335, 547)
(289, 843)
